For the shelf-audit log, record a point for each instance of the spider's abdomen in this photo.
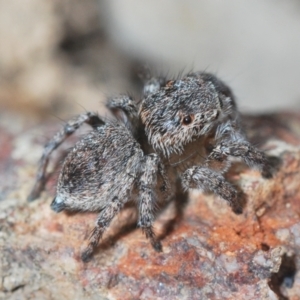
(101, 167)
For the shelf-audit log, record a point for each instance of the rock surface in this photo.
(208, 251)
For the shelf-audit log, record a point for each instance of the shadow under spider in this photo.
(179, 203)
(121, 226)
(126, 225)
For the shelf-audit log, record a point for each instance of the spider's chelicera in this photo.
(180, 136)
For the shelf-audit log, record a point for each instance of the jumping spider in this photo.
(181, 135)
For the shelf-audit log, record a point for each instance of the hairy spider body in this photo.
(180, 136)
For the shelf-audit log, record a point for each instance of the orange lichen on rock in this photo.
(208, 251)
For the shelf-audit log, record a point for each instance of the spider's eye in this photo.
(187, 120)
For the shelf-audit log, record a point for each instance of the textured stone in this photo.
(208, 251)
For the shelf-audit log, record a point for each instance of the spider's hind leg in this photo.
(103, 221)
(71, 126)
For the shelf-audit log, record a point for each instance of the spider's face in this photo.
(180, 112)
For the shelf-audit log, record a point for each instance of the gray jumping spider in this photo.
(182, 130)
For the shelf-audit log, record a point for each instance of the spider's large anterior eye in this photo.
(187, 120)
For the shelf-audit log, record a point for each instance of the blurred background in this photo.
(64, 56)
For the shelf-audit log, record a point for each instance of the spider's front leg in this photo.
(89, 118)
(208, 180)
(232, 142)
(147, 199)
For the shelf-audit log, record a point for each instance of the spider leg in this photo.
(103, 221)
(251, 155)
(234, 143)
(124, 103)
(147, 200)
(210, 181)
(71, 126)
(166, 184)
(125, 109)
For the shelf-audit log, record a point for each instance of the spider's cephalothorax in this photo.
(180, 136)
(185, 110)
